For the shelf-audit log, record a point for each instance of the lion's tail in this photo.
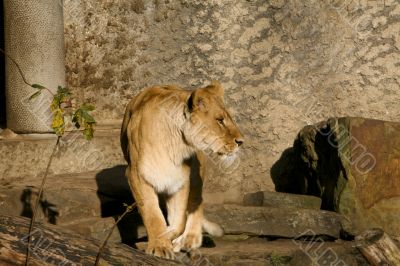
(212, 228)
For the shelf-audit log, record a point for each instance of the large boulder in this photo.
(353, 164)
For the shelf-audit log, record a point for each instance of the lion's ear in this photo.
(195, 101)
(216, 88)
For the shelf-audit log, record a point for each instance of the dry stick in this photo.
(38, 200)
(20, 71)
(128, 209)
(48, 164)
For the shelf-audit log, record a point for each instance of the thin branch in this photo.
(128, 209)
(38, 200)
(20, 71)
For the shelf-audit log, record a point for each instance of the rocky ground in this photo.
(292, 232)
(87, 191)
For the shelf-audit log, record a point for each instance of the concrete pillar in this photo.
(34, 38)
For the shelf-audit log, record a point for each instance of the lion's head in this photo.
(209, 126)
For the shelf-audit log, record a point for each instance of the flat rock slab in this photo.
(277, 199)
(280, 222)
(27, 155)
(257, 251)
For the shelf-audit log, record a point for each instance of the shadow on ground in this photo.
(114, 193)
(49, 209)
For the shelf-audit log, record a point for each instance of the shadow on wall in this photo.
(286, 175)
(114, 192)
(311, 167)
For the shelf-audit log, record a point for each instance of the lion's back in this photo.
(148, 104)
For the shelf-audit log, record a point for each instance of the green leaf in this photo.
(55, 104)
(87, 107)
(88, 118)
(88, 132)
(63, 91)
(33, 96)
(77, 118)
(37, 86)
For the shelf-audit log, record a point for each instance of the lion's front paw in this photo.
(174, 232)
(161, 248)
(188, 241)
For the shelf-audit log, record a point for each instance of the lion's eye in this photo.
(220, 121)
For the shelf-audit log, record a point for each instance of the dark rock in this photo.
(353, 165)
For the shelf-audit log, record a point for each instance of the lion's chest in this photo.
(164, 176)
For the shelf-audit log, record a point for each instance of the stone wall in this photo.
(283, 64)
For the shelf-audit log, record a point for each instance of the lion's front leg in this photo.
(159, 244)
(192, 236)
(176, 207)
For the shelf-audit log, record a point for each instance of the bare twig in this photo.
(38, 200)
(35, 208)
(128, 209)
(21, 73)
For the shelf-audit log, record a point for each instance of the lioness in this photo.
(165, 135)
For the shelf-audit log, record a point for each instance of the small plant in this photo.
(278, 260)
(128, 209)
(61, 106)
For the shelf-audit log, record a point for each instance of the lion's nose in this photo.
(239, 141)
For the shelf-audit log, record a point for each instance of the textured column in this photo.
(34, 38)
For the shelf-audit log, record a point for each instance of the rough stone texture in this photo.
(283, 64)
(24, 156)
(275, 199)
(353, 165)
(88, 202)
(34, 39)
(268, 221)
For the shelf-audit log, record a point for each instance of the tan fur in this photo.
(165, 135)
